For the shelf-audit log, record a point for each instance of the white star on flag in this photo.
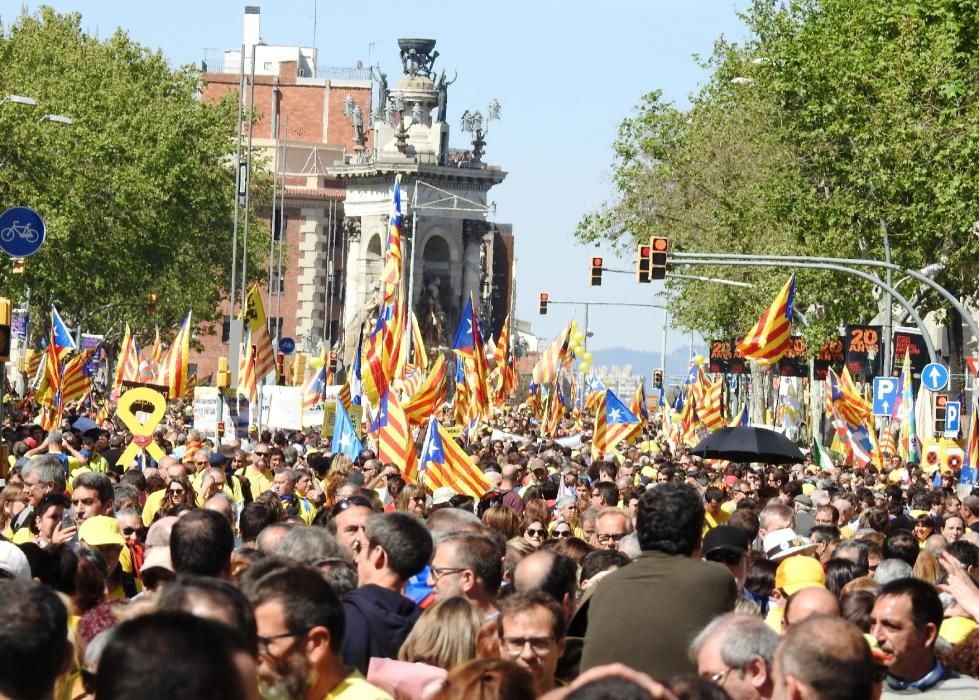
(614, 415)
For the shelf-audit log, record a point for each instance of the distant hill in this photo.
(644, 362)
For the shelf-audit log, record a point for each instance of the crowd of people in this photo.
(271, 567)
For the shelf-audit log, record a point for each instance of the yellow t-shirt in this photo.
(152, 506)
(258, 482)
(710, 521)
(356, 687)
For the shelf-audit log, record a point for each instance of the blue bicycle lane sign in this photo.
(21, 232)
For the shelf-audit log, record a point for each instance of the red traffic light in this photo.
(661, 245)
(543, 296)
(644, 251)
(596, 262)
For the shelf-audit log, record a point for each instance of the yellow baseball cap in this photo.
(101, 530)
(798, 572)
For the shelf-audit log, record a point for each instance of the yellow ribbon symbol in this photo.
(142, 431)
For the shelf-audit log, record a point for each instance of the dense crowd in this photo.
(271, 567)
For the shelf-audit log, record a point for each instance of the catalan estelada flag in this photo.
(844, 396)
(76, 383)
(769, 339)
(254, 316)
(613, 423)
(173, 369)
(418, 344)
(444, 463)
(314, 388)
(468, 345)
(392, 433)
(424, 402)
(60, 336)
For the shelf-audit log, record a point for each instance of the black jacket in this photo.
(378, 620)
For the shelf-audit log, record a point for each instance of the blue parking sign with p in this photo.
(953, 418)
(885, 394)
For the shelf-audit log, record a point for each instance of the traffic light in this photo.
(332, 367)
(298, 369)
(657, 379)
(151, 303)
(660, 246)
(543, 303)
(224, 375)
(644, 263)
(280, 370)
(4, 331)
(596, 272)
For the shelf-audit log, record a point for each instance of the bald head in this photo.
(824, 657)
(810, 602)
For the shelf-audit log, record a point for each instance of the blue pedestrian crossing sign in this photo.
(934, 377)
(885, 394)
(953, 418)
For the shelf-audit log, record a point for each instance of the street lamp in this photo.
(20, 100)
(472, 123)
(57, 119)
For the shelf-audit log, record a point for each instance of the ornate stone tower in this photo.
(444, 201)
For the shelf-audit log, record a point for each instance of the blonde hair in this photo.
(11, 492)
(445, 634)
(926, 567)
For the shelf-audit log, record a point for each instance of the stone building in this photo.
(338, 150)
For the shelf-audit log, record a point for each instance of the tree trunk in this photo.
(956, 351)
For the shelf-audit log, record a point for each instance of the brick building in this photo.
(340, 151)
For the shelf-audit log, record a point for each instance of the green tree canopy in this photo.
(136, 193)
(833, 116)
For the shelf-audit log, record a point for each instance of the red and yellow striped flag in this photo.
(418, 344)
(247, 378)
(391, 274)
(254, 315)
(552, 359)
(156, 354)
(430, 395)
(711, 406)
(392, 432)
(173, 369)
(769, 339)
(128, 361)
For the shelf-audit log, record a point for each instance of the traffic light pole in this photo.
(753, 261)
(924, 279)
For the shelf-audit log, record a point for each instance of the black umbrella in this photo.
(748, 444)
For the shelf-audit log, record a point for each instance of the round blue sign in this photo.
(21, 232)
(287, 346)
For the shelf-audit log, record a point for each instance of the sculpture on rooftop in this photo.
(418, 56)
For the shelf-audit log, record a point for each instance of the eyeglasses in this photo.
(138, 531)
(541, 646)
(725, 556)
(605, 539)
(177, 492)
(562, 533)
(260, 454)
(203, 463)
(345, 503)
(718, 678)
(535, 532)
(264, 642)
(439, 571)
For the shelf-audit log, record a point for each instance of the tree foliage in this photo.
(136, 194)
(834, 116)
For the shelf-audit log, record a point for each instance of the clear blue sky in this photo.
(565, 72)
